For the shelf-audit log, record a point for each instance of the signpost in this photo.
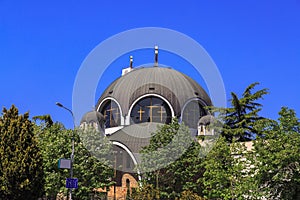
(72, 183)
(64, 163)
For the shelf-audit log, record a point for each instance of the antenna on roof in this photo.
(131, 61)
(156, 56)
(130, 68)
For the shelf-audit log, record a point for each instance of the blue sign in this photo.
(71, 183)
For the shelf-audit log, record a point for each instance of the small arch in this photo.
(112, 112)
(192, 111)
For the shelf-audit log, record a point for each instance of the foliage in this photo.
(169, 175)
(229, 172)
(21, 173)
(278, 156)
(128, 194)
(188, 195)
(145, 192)
(172, 164)
(44, 118)
(55, 143)
(270, 170)
(217, 178)
(240, 119)
(149, 192)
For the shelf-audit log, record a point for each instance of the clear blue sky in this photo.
(43, 43)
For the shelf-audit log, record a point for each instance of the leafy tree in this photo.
(240, 119)
(171, 176)
(93, 163)
(278, 156)
(45, 118)
(21, 172)
(229, 172)
(92, 171)
(145, 192)
(188, 195)
(244, 184)
(217, 178)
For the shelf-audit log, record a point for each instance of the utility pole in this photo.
(72, 154)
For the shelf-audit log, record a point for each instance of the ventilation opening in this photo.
(110, 92)
(196, 93)
(151, 88)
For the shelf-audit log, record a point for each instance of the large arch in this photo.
(119, 144)
(193, 123)
(144, 96)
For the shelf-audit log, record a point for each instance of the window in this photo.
(193, 111)
(111, 113)
(128, 161)
(151, 109)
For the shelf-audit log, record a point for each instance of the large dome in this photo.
(174, 86)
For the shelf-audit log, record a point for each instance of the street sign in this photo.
(64, 163)
(72, 183)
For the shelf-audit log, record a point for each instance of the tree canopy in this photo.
(254, 158)
(173, 165)
(278, 157)
(172, 161)
(92, 173)
(240, 119)
(21, 164)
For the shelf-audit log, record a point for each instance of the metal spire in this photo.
(131, 61)
(156, 56)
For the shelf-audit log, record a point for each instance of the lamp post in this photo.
(115, 153)
(72, 154)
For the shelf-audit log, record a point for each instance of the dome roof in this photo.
(173, 85)
(135, 136)
(92, 117)
(206, 120)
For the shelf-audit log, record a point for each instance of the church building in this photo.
(132, 107)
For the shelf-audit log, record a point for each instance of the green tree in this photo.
(92, 171)
(145, 192)
(21, 172)
(188, 195)
(240, 119)
(217, 177)
(278, 156)
(171, 176)
(229, 172)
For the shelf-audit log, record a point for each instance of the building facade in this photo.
(132, 107)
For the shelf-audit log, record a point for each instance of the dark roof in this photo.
(136, 136)
(206, 120)
(173, 85)
(92, 116)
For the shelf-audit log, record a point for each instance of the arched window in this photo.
(111, 112)
(151, 109)
(192, 112)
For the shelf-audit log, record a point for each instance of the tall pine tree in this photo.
(21, 172)
(240, 119)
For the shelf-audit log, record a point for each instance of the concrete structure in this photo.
(131, 107)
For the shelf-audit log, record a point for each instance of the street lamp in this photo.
(115, 153)
(72, 154)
